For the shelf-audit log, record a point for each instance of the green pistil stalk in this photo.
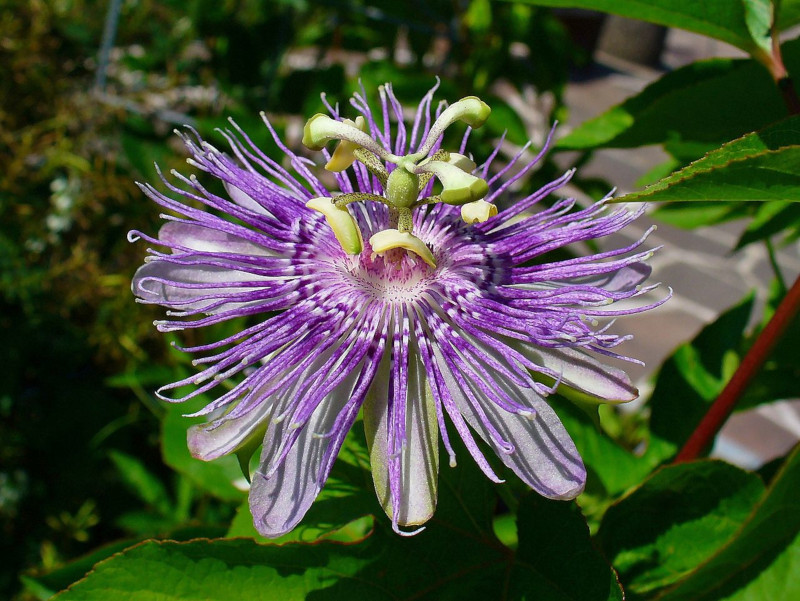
(405, 221)
(343, 200)
(373, 164)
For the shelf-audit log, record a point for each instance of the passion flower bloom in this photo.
(401, 291)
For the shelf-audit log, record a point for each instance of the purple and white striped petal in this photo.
(279, 501)
(406, 477)
(477, 334)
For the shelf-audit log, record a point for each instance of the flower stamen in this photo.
(403, 185)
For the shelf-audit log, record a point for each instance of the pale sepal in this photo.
(419, 457)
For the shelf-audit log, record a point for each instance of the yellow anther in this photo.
(389, 239)
(478, 211)
(342, 223)
(343, 155)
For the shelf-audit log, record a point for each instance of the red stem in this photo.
(723, 406)
(777, 69)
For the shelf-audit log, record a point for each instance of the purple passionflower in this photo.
(403, 292)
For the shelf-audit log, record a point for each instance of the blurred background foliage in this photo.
(80, 460)
(91, 462)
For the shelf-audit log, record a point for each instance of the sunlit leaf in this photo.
(761, 166)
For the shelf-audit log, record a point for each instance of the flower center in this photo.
(392, 276)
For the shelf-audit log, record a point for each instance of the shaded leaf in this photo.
(762, 559)
(553, 544)
(693, 109)
(142, 483)
(743, 24)
(788, 13)
(674, 521)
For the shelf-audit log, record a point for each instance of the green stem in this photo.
(776, 269)
(723, 406)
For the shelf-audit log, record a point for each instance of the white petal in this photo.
(581, 371)
(223, 436)
(208, 240)
(544, 456)
(280, 501)
(151, 290)
(419, 458)
(244, 200)
(623, 280)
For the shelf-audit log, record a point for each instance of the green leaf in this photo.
(691, 379)
(762, 560)
(553, 543)
(788, 13)
(701, 104)
(456, 557)
(760, 166)
(478, 16)
(768, 176)
(142, 483)
(690, 215)
(674, 521)
(743, 23)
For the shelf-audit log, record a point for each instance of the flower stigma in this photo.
(404, 184)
